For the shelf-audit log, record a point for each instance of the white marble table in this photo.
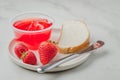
(103, 20)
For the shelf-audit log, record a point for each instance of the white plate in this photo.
(68, 65)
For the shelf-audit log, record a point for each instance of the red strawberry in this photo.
(20, 49)
(29, 58)
(47, 52)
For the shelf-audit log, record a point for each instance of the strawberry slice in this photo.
(47, 52)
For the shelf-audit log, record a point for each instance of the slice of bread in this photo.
(75, 37)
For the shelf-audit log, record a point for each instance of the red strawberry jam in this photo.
(32, 31)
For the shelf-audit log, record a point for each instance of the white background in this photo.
(103, 20)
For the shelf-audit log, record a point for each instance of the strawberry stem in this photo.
(23, 55)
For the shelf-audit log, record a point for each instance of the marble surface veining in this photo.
(103, 20)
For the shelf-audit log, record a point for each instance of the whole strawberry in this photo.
(24, 54)
(47, 52)
(29, 58)
(20, 49)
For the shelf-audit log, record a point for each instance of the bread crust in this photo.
(75, 49)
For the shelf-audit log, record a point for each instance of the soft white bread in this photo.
(75, 37)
